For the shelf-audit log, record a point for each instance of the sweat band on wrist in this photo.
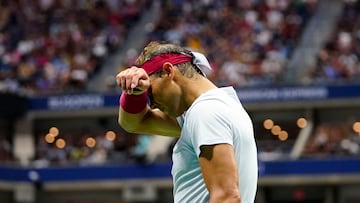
(133, 103)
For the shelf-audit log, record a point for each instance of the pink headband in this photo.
(156, 62)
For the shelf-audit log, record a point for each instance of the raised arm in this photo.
(134, 114)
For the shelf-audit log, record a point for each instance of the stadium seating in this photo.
(338, 60)
(72, 148)
(254, 45)
(50, 47)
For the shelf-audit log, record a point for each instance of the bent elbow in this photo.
(226, 197)
(234, 198)
(237, 198)
(128, 126)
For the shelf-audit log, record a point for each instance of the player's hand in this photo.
(133, 80)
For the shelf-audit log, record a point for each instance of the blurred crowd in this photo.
(338, 61)
(104, 147)
(55, 46)
(82, 147)
(248, 42)
(329, 139)
(5, 151)
(333, 139)
(49, 46)
(79, 148)
(52, 46)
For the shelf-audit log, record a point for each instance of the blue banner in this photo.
(160, 171)
(296, 93)
(268, 94)
(73, 102)
(324, 166)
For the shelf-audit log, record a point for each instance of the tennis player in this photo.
(215, 158)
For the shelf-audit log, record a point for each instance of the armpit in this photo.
(206, 151)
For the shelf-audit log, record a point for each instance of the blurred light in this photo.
(345, 144)
(90, 142)
(60, 143)
(54, 131)
(110, 135)
(49, 138)
(275, 130)
(299, 194)
(268, 124)
(301, 122)
(356, 127)
(283, 135)
(33, 175)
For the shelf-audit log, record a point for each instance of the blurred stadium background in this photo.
(294, 63)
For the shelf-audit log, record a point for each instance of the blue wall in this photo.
(130, 171)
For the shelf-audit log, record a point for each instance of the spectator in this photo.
(332, 139)
(338, 61)
(258, 36)
(55, 46)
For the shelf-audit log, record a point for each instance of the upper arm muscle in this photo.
(220, 172)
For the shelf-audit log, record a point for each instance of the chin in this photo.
(171, 114)
(175, 115)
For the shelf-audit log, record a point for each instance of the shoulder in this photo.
(208, 105)
(215, 104)
(208, 111)
(214, 101)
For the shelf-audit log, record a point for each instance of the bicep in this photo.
(150, 121)
(219, 169)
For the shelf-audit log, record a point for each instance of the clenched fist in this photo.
(133, 80)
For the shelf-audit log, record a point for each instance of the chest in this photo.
(184, 157)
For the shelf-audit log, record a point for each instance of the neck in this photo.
(192, 88)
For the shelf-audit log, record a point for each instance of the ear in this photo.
(169, 70)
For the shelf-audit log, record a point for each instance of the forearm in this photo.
(130, 122)
(132, 110)
(145, 120)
